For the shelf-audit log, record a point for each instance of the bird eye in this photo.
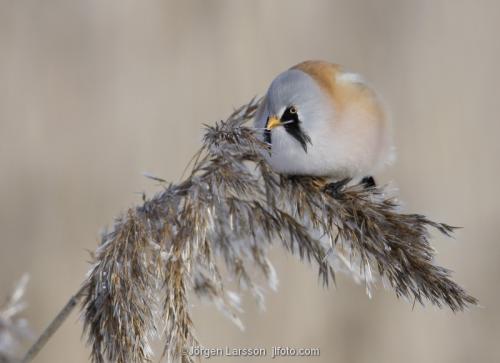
(290, 115)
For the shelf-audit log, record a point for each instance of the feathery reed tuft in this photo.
(13, 328)
(234, 206)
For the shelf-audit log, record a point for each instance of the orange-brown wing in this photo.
(346, 90)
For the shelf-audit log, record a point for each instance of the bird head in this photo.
(293, 111)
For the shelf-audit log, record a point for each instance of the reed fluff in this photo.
(14, 328)
(230, 210)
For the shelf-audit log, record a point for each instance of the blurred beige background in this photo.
(93, 93)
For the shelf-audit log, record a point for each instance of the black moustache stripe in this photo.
(267, 136)
(296, 132)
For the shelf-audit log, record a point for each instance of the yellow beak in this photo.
(273, 122)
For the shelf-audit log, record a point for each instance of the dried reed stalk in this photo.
(235, 207)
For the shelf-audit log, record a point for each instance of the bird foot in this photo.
(335, 188)
(368, 182)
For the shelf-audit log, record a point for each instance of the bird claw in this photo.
(334, 189)
(368, 182)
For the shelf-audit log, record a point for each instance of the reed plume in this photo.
(14, 328)
(232, 208)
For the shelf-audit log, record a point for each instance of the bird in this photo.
(321, 120)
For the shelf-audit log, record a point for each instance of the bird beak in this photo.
(272, 122)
